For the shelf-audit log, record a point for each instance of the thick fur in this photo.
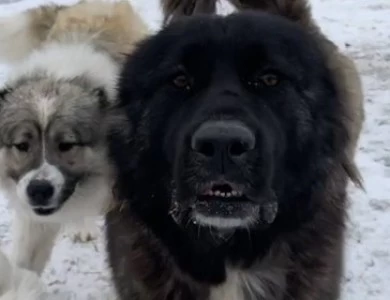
(342, 67)
(265, 77)
(17, 283)
(25, 32)
(57, 103)
(112, 26)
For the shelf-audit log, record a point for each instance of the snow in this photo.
(362, 29)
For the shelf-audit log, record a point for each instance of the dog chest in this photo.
(253, 284)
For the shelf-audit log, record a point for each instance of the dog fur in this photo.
(158, 246)
(112, 26)
(17, 283)
(57, 101)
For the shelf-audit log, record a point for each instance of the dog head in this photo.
(235, 118)
(52, 140)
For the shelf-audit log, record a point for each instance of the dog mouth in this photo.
(224, 200)
(226, 205)
(45, 211)
(224, 190)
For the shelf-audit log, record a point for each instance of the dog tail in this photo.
(22, 33)
(295, 10)
(112, 25)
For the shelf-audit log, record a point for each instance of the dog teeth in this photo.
(223, 194)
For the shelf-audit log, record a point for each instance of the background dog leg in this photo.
(33, 242)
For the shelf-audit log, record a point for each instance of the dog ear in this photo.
(175, 9)
(102, 97)
(296, 10)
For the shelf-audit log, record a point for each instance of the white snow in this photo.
(78, 271)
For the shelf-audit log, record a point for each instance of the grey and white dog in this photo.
(53, 158)
(55, 115)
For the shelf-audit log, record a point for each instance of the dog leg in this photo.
(84, 231)
(5, 268)
(18, 284)
(33, 243)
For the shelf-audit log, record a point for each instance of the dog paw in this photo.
(85, 232)
(84, 236)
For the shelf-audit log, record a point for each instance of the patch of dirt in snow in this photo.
(362, 29)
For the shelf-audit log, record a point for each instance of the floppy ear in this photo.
(101, 95)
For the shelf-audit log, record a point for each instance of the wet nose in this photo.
(231, 139)
(40, 192)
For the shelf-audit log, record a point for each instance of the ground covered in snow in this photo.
(362, 29)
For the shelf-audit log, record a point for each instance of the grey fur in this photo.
(48, 114)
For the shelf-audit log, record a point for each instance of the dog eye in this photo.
(22, 147)
(65, 147)
(183, 81)
(264, 79)
(269, 79)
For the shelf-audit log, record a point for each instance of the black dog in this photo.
(233, 179)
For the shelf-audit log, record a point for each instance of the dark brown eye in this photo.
(22, 147)
(261, 80)
(65, 147)
(183, 81)
(269, 79)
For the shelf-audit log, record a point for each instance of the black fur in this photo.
(211, 68)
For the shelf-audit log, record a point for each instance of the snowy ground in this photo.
(362, 29)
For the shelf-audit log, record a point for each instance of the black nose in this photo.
(40, 192)
(223, 138)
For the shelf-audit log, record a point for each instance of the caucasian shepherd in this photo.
(55, 115)
(233, 179)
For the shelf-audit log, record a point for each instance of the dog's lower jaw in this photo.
(261, 214)
(223, 223)
(45, 211)
(222, 229)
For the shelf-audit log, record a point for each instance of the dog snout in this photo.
(226, 139)
(40, 192)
